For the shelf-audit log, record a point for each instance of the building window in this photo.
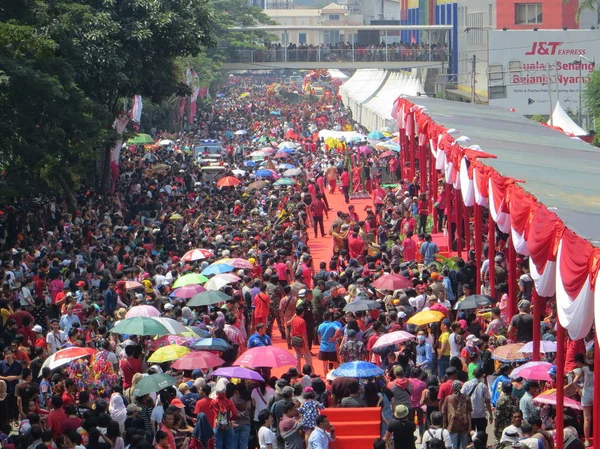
(528, 13)
(302, 38)
(334, 17)
(496, 92)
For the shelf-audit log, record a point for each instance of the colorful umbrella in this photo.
(426, 317)
(439, 307)
(510, 353)
(393, 338)
(198, 360)
(265, 357)
(258, 153)
(237, 372)
(168, 353)
(285, 167)
(473, 302)
(264, 173)
(549, 397)
(358, 369)
(173, 326)
(166, 340)
(545, 347)
(532, 371)
(176, 217)
(221, 280)
(153, 384)
(198, 253)
(65, 356)
(188, 291)
(140, 325)
(141, 139)
(228, 181)
(236, 263)
(292, 172)
(281, 155)
(144, 310)
(249, 163)
(285, 144)
(190, 279)
(217, 269)
(257, 185)
(132, 285)
(211, 344)
(284, 182)
(208, 298)
(374, 135)
(392, 282)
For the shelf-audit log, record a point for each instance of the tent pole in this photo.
(403, 149)
(478, 235)
(491, 255)
(512, 281)
(537, 311)
(596, 409)
(458, 215)
(413, 149)
(448, 212)
(422, 167)
(560, 385)
(467, 228)
(432, 189)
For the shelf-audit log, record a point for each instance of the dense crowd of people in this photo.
(70, 276)
(341, 52)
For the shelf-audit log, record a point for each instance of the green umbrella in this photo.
(284, 182)
(141, 139)
(140, 325)
(153, 384)
(208, 298)
(190, 279)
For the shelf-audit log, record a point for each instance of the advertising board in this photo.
(528, 69)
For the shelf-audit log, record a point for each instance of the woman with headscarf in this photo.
(457, 409)
(117, 410)
(187, 316)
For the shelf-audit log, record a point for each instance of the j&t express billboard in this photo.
(524, 65)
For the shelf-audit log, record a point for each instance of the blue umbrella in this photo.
(249, 163)
(358, 370)
(288, 150)
(356, 139)
(375, 135)
(211, 344)
(263, 173)
(220, 95)
(217, 269)
(285, 166)
(275, 113)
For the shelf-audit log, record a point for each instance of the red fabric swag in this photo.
(520, 205)
(574, 262)
(541, 237)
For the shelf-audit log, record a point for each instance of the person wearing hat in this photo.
(457, 411)
(506, 407)
(40, 341)
(521, 325)
(402, 429)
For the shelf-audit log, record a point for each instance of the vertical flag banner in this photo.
(136, 109)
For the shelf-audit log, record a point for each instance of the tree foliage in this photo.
(592, 95)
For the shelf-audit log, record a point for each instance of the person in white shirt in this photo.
(324, 433)
(266, 437)
(55, 338)
(436, 431)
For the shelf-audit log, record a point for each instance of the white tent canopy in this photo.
(325, 133)
(337, 74)
(370, 95)
(562, 120)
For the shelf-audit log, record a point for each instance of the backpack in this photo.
(435, 442)
(222, 420)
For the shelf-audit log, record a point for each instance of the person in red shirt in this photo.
(297, 326)
(356, 184)
(408, 223)
(345, 179)
(40, 340)
(356, 246)
(353, 215)
(422, 207)
(225, 413)
(262, 302)
(409, 248)
(68, 396)
(39, 284)
(318, 209)
(446, 388)
(203, 404)
(237, 208)
(166, 427)
(27, 332)
(129, 366)
(56, 418)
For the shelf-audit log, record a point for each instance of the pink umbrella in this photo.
(235, 263)
(392, 282)
(166, 340)
(187, 291)
(364, 149)
(268, 150)
(439, 307)
(281, 155)
(132, 285)
(197, 254)
(549, 397)
(199, 359)
(147, 311)
(275, 174)
(265, 357)
(545, 347)
(532, 371)
(393, 338)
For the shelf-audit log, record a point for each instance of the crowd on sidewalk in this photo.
(70, 276)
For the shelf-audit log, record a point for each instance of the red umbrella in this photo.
(228, 181)
(439, 307)
(199, 359)
(199, 253)
(392, 282)
(67, 355)
(265, 357)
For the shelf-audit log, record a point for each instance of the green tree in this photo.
(592, 95)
